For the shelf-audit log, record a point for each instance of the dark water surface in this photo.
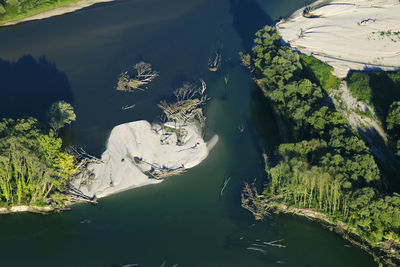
(184, 221)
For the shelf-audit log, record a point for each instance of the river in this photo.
(184, 220)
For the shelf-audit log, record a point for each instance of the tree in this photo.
(33, 166)
(393, 118)
(2, 9)
(188, 108)
(60, 114)
(393, 125)
(326, 166)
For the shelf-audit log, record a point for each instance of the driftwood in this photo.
(158, 172)
(188, 107)
(164, 172)
(307, 11)
(83, 160)
(226, 181)
(241, 128)
(275, 243)
(226, 80)
(126, 107)
(143, 75)
(77, 195)
(214, 62)
(254, 202)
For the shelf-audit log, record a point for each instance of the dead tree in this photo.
(143, 75)
(82, 159)
(188, 107)
(254, 202)
(144, 72)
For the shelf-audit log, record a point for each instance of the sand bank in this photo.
(358, 34)
(25, 208)
(136, 148)
(56, 11)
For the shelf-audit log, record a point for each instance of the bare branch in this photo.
(144, 74)
(188, 108)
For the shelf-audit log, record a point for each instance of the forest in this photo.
(34, 167)
(323, 165)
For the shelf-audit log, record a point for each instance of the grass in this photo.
(359, 85)
(3, 204)
(319, 73)
(378, 88)
(16, 10)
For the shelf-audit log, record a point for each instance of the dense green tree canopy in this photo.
(33, 167)
(326, 166)
(393, 119)
(393, 125)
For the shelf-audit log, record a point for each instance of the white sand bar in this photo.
(348, 34)
(119, 171)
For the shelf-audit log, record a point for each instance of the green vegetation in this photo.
(17, 9)
(394, 36)
(381, 90)
(377, 87)
(326, 167)
(393, 125)
(59, 114)
(34, 169)
(320, 73)
(358, 84)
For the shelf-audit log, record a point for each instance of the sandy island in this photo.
(136, 148)
(357, 35)
(56, 11)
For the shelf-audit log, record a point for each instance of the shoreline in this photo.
(260, 207)
(383, 250)
(129, 142)
(139, 153)
(27, 208)
(339, 227)
(69, 8)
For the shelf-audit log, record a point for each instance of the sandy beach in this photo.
(57, 11)
(156, 148)
(357, 35)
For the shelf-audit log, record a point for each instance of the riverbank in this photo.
(51, 11)
(261, 206)
(26, 208)
(327, 171)
(338, 227)
(139, 153)
(356, 35)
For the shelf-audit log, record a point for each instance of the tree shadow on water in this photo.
(29, 86)
(248, 18)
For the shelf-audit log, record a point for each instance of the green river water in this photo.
(184, 220)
